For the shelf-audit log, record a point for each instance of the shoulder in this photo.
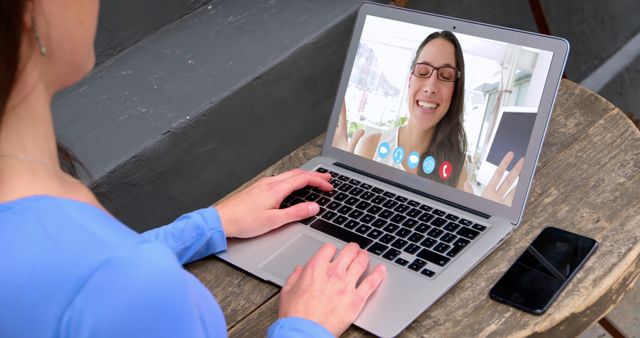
(367, 147)
(141, 291)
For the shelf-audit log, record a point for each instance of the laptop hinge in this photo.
(415, 191)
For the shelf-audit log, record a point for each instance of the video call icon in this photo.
(429, 164)
(398, 155)
(413, 159)
(383, 150)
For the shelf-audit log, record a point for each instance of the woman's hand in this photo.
(496, 190)
(325, 291)
(255, 210)
(341, 137)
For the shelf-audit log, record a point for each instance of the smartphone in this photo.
(538, 276)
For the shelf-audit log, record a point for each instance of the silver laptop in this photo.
(432, 210)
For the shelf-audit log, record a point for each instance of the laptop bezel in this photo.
(558, 46)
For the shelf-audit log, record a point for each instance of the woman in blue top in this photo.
(69, 269)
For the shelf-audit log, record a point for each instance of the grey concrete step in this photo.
(188, 114)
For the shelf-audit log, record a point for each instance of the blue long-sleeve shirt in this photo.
(68, 269)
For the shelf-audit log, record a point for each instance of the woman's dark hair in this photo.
(11, 16)
(449, 141)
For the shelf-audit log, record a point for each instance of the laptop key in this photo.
(375, 233)
(363, 205)
(333, 174)
(312, 197)
(402, 208)
(417, 264)
(433, 257)
(401, 199)
(307, 220)
(379, 223)
(452, 218)
(390, 204)
(389, 194)
(427, 272)
(422, 228)
(363, 229)
(413, 203)
(438, 222)
(439, 212)
(399, 243)
(402, 261)
(341, 233)
(329, 215)
(351, 201)
(378, 200)
(441, 247)
(365, 186)
(356, 214)
(398, 218)
(448, 237)
(322, 170)
(344, 178)
(391, 228)
(340, 197)
(367, 218)
(374, 209)
(403, 232)
(451, 227)
(467, 233)
(426, 218)
(345, 209)
(351, 224)
(415, 237)
(414, 213)
(391, 254)
(429, 242)
(323, 201)
(377, 248)
(387, 238)
(345, 187)
(333, 205)
(377, 190)
(354, 182)
(410, 223)
(425, 208)
(479, 227)
(435, 233)
(340, 220)
(367, 195)
(356, 191)
(412, 248)
(386, 214)
(465, 222)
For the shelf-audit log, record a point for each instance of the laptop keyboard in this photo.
(409, 233)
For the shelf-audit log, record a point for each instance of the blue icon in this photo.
(413, 160)
(398, 155)
(429, 165)
(383, 150)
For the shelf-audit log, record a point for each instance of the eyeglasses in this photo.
(424, 70)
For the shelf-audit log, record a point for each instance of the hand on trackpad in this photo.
(297, 252)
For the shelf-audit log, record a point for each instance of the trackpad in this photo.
(297, 252)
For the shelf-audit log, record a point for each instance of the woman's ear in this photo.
(29, 14)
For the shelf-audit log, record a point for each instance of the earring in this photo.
(36, 33)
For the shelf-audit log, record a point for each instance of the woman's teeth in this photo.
(428, 105)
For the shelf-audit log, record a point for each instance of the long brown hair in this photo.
(12, 13)
(449, 141)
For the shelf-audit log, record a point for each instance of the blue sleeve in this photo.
(142, 292)
(192, 236)
(293, 327)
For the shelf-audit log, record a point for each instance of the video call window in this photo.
(395, 112)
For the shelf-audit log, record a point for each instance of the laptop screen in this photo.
(448, 107)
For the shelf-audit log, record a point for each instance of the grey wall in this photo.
(122, 23)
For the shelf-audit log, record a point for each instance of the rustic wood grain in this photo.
(586, 182)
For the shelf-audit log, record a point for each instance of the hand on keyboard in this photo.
(325, 291)
(256, 209)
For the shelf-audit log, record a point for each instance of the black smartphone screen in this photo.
(534, 281)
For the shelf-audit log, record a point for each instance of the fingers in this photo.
(278, 217)
(358, 266)
(468, 188)
(497, 176)
(344, 259)
(508, 181)
(342, 121)
(371, 282)
(354, 140)
(323, 257)
(295, 182)
(293, 278)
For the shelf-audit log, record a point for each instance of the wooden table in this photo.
(587, 181)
